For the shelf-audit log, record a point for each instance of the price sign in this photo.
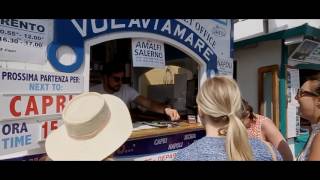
(24, 40)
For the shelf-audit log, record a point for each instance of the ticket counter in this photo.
(157, 144)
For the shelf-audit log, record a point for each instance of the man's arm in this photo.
(157, 107)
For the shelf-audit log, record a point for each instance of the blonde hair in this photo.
(220, 99)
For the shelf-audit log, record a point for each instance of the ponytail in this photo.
(220, 99)
(237, 143)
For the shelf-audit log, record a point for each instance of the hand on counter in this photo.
(172, 113)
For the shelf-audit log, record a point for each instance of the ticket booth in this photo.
(192, 51)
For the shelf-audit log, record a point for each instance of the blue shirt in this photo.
(213, 149)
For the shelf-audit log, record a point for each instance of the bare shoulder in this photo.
(315, 148)
(267, 124)
(271, 132)
(263, 118)
(316, 141)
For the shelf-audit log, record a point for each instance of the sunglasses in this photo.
(301, 93)
(117, 79)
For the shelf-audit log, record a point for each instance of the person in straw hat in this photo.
(94, 126)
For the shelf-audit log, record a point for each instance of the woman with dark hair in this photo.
(261, 127)
(308, 97)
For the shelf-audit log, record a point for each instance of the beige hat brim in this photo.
(59, 146)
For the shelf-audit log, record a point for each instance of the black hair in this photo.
(112, 67)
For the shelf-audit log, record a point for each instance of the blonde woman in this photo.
(219, 104)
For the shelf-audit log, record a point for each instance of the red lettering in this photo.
(45, 129)
(60, 103)
(13, 106)
(46, 101)
(32, 106)
(54, 125)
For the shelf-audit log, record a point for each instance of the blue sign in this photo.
(75, 32)
(158, 144)
(35, 157)
(141, 147)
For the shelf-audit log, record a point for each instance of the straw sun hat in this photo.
(94, 126)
